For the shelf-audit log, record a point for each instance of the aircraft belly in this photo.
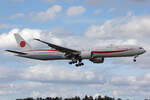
(46, 56)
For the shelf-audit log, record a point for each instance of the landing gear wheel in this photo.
(77, 65)
(134, 60)
(70, 63)
(82, 64)
(73, 62)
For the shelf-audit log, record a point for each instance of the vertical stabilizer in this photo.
(23, 45)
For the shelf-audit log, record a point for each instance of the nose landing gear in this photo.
(134, 60)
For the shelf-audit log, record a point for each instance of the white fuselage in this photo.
(52, 54)
(95, 55)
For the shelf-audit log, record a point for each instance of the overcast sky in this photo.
(75, 24)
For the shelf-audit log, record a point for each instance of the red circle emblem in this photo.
(22, 44)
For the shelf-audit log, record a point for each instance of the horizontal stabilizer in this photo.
(16, 52)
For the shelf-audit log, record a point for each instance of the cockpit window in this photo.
(140, 48)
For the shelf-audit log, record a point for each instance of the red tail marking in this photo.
(22, 44)
(41, 50)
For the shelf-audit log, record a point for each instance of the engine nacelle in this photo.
(97, 60)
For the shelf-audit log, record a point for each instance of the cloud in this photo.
(75, 10)
(97, 11)
(127, 27)
(70, 1)
(7, 40)
(129, 4)
(94, 2)
(50, 73)
(49, 14)
(50, 1)
(40, 80)
(18, 0)
(133, 84)
(16, 16)
(44, 80)
(128, 30)
(37, 89)
(139, 0)
(7, 26)
(8, 74)
(111, 10)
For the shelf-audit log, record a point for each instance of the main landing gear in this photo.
(135, 58)
(78, 62)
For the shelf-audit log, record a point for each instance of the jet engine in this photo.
(97, 60)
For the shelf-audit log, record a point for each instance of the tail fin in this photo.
(23, 45)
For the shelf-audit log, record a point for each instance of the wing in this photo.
(16, 52)
(60, 48)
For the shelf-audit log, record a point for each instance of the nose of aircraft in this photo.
(144, 50)
(141, 50)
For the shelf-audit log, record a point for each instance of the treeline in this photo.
(73, 98)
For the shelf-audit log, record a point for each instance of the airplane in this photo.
(95, 55)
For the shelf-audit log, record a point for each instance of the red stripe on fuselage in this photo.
(41, 50)
(110, 51)
(116, 51)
